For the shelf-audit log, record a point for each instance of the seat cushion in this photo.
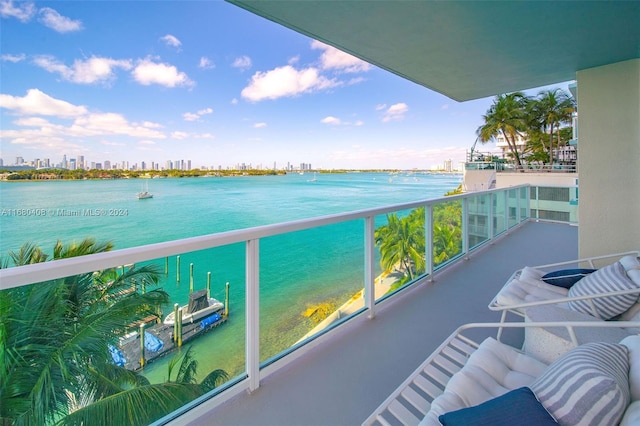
(492, 370)
(608, 279)
(589, 385)
(518, 292)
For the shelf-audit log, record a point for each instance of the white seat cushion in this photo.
(518, 292)
(492, 370)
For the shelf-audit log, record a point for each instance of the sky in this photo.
(209, 82)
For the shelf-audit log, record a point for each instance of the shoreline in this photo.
(382, 283)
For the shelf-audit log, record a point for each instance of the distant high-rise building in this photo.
(188, 164)
(143, 166)
(19, 161)
(1, 162)
(65, 164)
(107, 165)
(99, 166)
(447, 166)
(93, 165)
(72, 164)
(168, 165)
(80, 162)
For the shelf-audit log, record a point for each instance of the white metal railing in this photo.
(505, 199)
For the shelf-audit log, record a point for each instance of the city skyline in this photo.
(150, 81)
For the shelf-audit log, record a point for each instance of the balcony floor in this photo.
(343, 380)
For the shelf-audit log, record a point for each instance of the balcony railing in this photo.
(482, 216)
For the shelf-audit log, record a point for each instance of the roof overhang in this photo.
(464, 49)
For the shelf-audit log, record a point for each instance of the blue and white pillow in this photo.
(588, 385)
(608, 279)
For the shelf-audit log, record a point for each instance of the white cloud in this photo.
(194, 116)
(110, 123)
(285, 81)
(259, 125)
(331, 120)
(234, 101)
(147, 142)
(395, 112)
(206, 63)
(52, 19)
(93, 70)
(36, 102)
(171, 40)
(334, 59)
(148, 72)
(179, 135)
(13, 58)
(23, 12)
(243, 62)
(380, 107)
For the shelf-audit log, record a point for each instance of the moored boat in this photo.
(199, 307)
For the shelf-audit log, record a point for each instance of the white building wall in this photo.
(609, 159)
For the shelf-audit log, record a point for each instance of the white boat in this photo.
(199, 307)
(144, 193)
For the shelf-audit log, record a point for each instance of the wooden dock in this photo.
(131, 349)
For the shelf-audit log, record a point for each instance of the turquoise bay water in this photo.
(297, 270)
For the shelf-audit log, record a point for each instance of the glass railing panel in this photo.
(309, 280)
(65, 338)
(447, 232)
(400, 249)
(499, 212)
(478, 219)
(556, 204)
(512, 207)
(524, 203)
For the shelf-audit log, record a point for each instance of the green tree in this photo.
(506, 117)
(549, 111)
(401, 242)
(54, 338)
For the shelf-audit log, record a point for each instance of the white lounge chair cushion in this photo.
(632, 415)
(607, 279)
(492, 370)
(630, 262)
(633, 344)
(589, 385)
(518, 292)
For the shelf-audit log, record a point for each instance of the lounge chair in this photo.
(604, 287)
(484, 382)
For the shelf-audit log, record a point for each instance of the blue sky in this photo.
(211, 83)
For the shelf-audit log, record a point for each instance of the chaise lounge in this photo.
(604, 287)
(467, 383)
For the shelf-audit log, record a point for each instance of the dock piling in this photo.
(226, 300)
(178, 270)
(208, 285)
(176, 307)
(142, 360)
(190, 278)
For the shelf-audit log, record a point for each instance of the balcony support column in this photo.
(369, 266)
(253, 313)
(465, 228)
(428, 243)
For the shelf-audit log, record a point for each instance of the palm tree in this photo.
(53, 345)
(402, 241)
(551, 109)
(506, 117)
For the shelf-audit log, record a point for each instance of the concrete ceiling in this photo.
(464, 49)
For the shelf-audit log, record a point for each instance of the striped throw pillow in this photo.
(610, 278)
(588, 385)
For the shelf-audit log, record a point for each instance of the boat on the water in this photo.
(199, 307)
(144, 193)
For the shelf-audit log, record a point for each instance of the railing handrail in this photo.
(29, 274)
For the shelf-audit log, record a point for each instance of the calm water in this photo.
(297, 271)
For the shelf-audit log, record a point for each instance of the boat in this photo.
(199, 307)
(144, 193)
